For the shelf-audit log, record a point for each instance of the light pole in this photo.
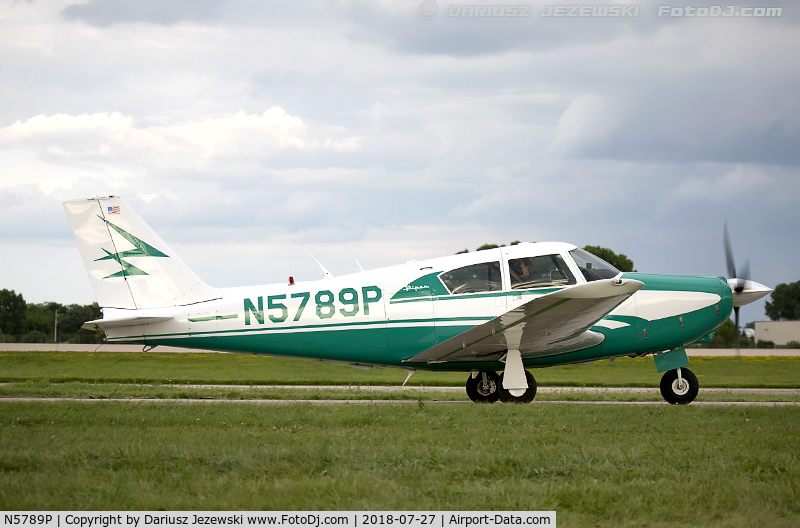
(55, 328)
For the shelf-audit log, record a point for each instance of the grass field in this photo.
(251, 369)
(597, 465)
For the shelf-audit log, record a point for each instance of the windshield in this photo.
(593, 268)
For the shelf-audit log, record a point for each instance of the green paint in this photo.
(671, 360)
(707, 338)
(271, 305)
(213, 318)
(462, 296)
(305, 296)
(422, 288)
(352, 301)
(128, 269)
(325, 309)
(365, 294)
(248, 308)
(143, 249)
(690, 283)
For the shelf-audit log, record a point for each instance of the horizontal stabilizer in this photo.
(117, 322)
(552, 324)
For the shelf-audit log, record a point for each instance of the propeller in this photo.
(738, 283)
(744, 290)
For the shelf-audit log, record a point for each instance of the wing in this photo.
(555, 323)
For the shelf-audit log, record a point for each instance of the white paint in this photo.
(652, 305)
(514, 379)
(611, 324)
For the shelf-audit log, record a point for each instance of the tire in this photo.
(527, 397)
(673, 392)
(479, 393)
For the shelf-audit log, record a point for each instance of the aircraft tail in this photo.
(129, 266)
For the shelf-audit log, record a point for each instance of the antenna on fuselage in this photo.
(328, 274)
(348, 250)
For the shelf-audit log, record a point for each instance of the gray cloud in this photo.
(104, 13)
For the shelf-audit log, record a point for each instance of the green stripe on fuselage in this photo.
(391, 342)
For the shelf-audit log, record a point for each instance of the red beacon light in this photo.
(291, 281)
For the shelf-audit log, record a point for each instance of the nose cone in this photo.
(747, 291)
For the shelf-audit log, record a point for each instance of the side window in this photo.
(539, 272)
(474, 278)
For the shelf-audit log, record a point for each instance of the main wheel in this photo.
(526, 397)
(484, 387)
(680, 391)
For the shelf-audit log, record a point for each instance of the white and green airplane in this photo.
(508, 309)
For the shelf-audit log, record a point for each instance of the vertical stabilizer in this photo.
(129, 266)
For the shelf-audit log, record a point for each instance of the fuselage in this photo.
(385, 316)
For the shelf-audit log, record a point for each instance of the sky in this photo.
(251, 135)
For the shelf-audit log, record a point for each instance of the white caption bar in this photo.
(160, 519)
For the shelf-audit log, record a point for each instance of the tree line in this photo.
(618, 260)
(23, 322)
(36, 323)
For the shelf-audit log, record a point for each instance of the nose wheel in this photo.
(679, 386)
(484, 387)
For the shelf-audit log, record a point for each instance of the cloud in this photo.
(687, 93)
(200, 143)
(104, 13)
(587, 122)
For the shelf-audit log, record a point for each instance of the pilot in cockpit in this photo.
(521, 271)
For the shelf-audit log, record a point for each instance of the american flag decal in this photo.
(113, 210)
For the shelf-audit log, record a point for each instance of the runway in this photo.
(540, 390)
(375, 402)
(372, 401)
(426, 398)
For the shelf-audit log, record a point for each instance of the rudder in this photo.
(129, 266)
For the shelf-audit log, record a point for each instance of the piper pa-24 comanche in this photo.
(507, 309)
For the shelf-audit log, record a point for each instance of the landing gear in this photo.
(679, 386)
(484, 388)
(526, 397)
(487, 387)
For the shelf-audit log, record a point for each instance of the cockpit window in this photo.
(474, 278)
(593, 268)
(539, 272)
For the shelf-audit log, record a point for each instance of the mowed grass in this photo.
(595, 465)
(253, 369)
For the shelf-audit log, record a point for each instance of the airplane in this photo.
(508, 309)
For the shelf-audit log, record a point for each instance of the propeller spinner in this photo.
(744, 290)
